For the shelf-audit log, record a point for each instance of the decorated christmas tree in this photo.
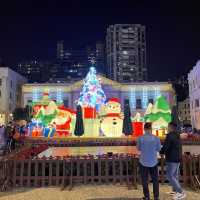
(92, 94)
(79, 127)
(47, 114)
(149, 109)
(160, 113)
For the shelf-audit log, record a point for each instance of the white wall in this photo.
(10, 91)
(194, 95)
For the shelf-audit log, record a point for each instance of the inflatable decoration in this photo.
(111, 123)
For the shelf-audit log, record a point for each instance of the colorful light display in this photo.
(159, 114)
(112, 122)
(92, 94)
(52, 119)
(144, 97)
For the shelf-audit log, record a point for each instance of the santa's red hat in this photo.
(114, 99)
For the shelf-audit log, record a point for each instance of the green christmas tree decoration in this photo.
(127, 123)
(161, 111)
(79, 127)
(45, 118)
(47, 114)
(161, 105)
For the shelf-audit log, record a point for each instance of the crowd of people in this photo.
(11, 135)
(149, 146)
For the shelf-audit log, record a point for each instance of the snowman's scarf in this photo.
(113, 115)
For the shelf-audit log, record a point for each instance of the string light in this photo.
(92, 94)
(156, 93)
(132, 98)
(35, 94)
(59, 97)
(144, 97)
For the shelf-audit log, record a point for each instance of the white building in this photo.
(10, 92)
(126, 52)
(138, 94)
(184, 111)
(194, 94)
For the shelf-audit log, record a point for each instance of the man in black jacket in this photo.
(172, 150)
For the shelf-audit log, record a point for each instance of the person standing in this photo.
(149, 145)
(8, 136)
(172, 151)
(2, 138)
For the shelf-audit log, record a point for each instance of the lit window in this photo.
(151, 101)
(196, 103)
(125, 52)
(138, 103)
(126, 101)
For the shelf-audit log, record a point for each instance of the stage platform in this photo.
(83, 141)
(84, 151)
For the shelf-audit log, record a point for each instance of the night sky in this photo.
(30, 29)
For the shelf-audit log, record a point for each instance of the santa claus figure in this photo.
(111, 123)
(63, 121)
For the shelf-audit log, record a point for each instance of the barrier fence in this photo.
(77, 142)
(105, 169)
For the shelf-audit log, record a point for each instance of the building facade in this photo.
(10, 92)
(60, 50)
(138, 94)
(100, 58)
(194, 95)
(73, 65)
(184, 111)
(34, 70)
(126, 52)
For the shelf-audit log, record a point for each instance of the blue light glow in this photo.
(92, 94)
(144, 97)
(59, 96)
(35, 94)
(156, 93)
(132, 98)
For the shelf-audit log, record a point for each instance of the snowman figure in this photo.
(112, 122)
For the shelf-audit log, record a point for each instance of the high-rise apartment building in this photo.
(126, 52)
(60, 50)
(34, 70)
(100, 57)
(73, 67)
